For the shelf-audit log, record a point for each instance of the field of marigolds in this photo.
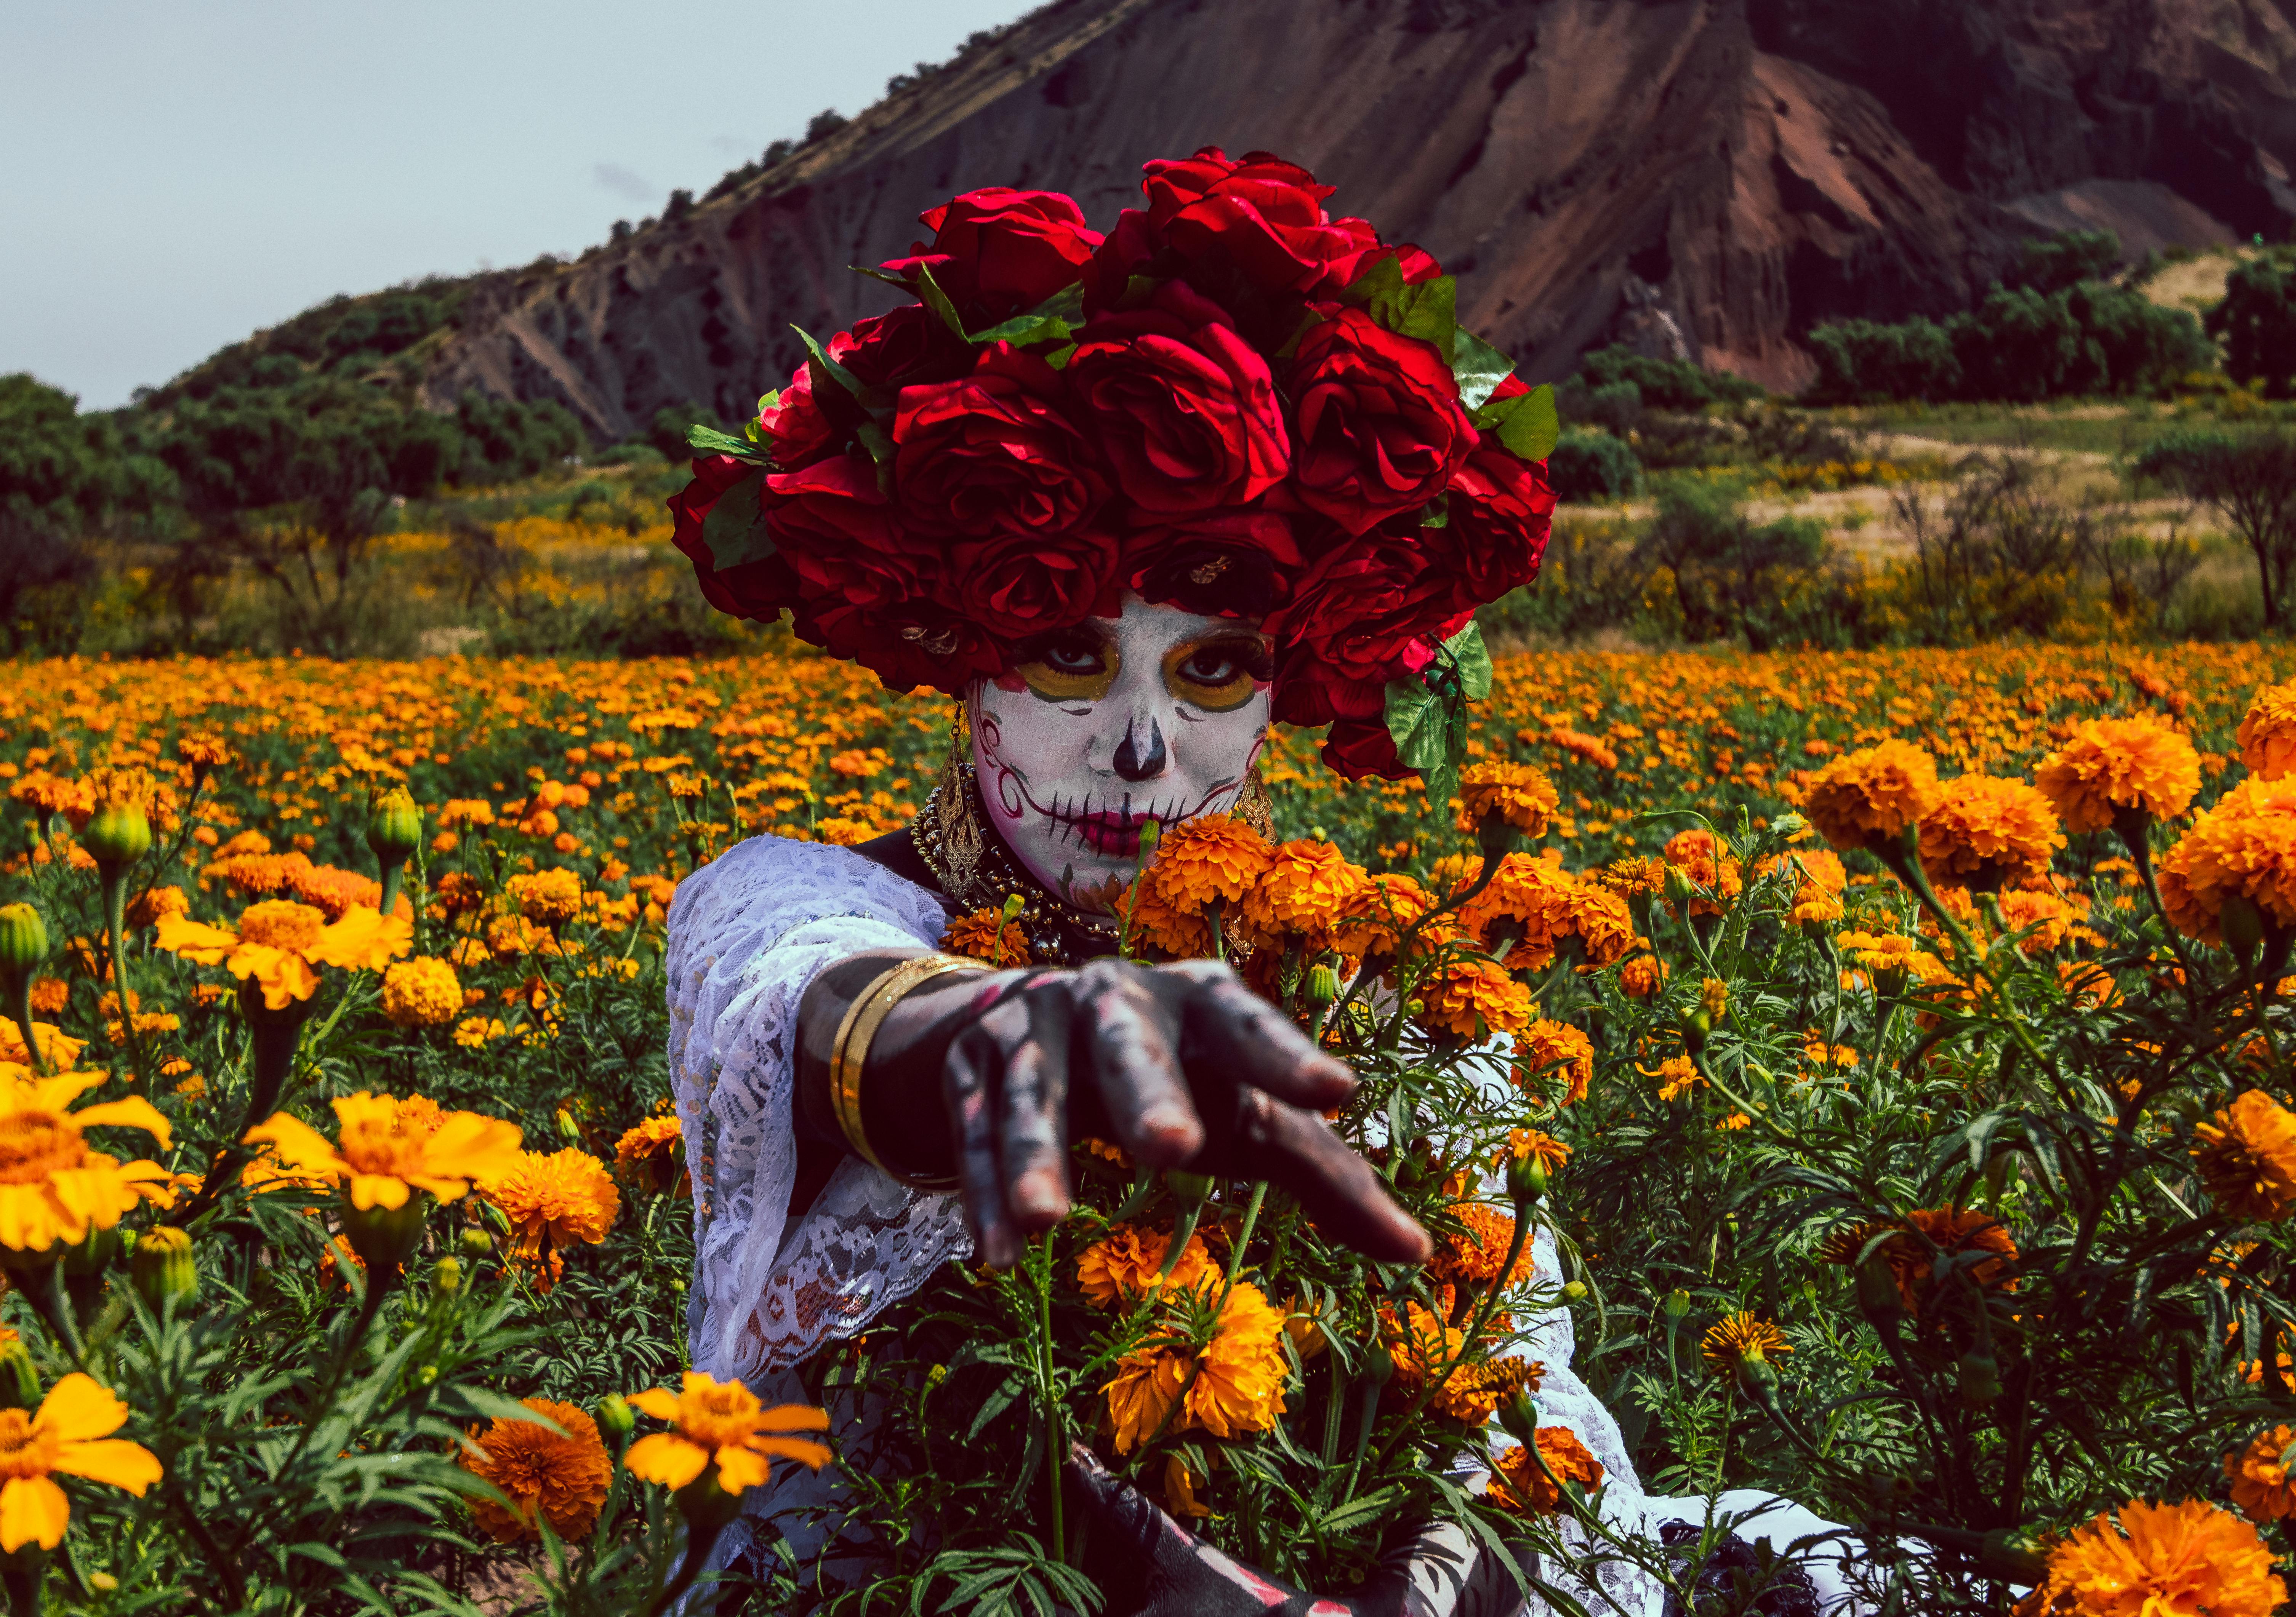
(1904, 1042)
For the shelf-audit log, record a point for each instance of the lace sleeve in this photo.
(746, 934)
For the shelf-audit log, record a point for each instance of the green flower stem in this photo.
(1048, 1395)
(1473, 1332)
(276, 1034)
(115, 916)
(1234, 1265)
(393, 876)
(2135, 835)
(20, 991)
(44, 1289)
(701, 1538)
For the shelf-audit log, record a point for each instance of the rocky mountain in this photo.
(1705, 178)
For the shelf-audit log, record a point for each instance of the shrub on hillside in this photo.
(2257, 323)
(1588, 466)
(1664, 384)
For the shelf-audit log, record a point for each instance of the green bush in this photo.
(1588, 466)
(2257, 323)
(1664, 384)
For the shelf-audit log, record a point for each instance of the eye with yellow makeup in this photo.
(1218, 676)
(1077, 666)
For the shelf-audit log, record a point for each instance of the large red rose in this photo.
(1378, 429)
(1184, 408)
(1262, 214)
(910, 346)
(995, 452)
(1308, 693)
(839, 534)
(797, 432)
(752, 589)
(999, 252)
(905, 643)
(1365, 613)
(1356, 748)
(1501, 507)
(1216, 564)
(1019, 584)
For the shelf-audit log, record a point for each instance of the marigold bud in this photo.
(704, 1504)
(23, 940)
(20, 1381)
(616, 1419)
(394, 828)
(1323, 986)
(384, 1238)
(1526, 1178)
(1152, 833)
(1188, 1189)
(119, 834)
(1013, 904)
(478, 1243)
(1519, 1416)
(2242, 925)
(1979, 1375)
(1575, 1291)
(447, 1278)
(163, 1267)
(1678, 1306)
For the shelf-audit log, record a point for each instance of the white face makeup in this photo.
(1155, 714)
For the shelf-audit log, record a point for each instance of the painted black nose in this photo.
(1135, 764)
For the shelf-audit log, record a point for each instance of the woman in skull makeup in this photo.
(1129, 499)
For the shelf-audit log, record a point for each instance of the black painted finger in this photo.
(969, 1081)
(1258, 1044)
(1032, 1107)
(1135, 1066)
(1339, 1189)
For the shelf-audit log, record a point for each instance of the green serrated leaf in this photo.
(709, 440)
(930, 294)
(736, 528)
(829, 368)
(1436, 512)
(1428, 311)
(1527, 423)
(1026, 330)
(1415, 719)
(1480, 368)
(1475, 659)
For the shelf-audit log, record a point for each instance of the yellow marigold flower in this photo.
(1674, 1074)
(1518, 795)
(203, 751)
(1699, 857)
(2267, 734)
(52, 1187)
(2247, 1157)
(1305, 890)
(1521, 1486)
(1983, 831)
(1473, 1394)
(1526, 1145)
(1239, 1372)
(547, 898)
(1637, 877)
(2178, 1560)
(552, 1200)
(70, 1434)
(1743, 1335)
(149, 905)
(474, 1032)
(2111, 764)
(2263, 1475)
(1380, 911)
(389, 1149)
(60, 1047)
(279, 942)
(1123, 1266)
(1171, 932)
(721, 1424)
(2245, 845)
(1867, 799)
(1213, 858)
(422, 993)
(1547, 1052)
(652, 1155)
(560, 1477)
(1472, 999)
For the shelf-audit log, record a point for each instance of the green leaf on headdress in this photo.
(709, 440)
(1427, 714)
(1472, 658)
(736, 528)
(831, 371)
(1480, 368)
(1526, 423)
(1054, 320)
(930, 294)
(1428, 311)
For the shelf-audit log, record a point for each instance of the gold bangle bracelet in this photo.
(850, 1052)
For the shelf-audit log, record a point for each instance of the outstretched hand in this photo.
(991, 1076)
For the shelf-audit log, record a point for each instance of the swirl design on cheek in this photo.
(1010, 789)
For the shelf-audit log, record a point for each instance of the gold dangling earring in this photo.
(960, 829)
(1253, 807)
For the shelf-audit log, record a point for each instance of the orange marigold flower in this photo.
(1641, 976)
(2247, 1157)
(721, 1424)
(1521, 1486)
(422, 993)
(2263, 1475)
(1982, 830)
(279, 942)
(2178, 1560)
(1518, 795)
(1742, 1335)
(1239, 1372)
(1170, 932)
(2244, 846)
(2108, 765)
(561, 1477)
(651, 1157)
(1951, 1230)
(1127, 1263)
(1638, 878)
(1547, 1052)
(2267, 734)
(550, 1200)
(547, 898)
(1674, 1074)
(154, 903)
(1526, 1145)
(1471, 1256)
(1305, 890)
(1867, 799)
(1699, 857)
(333, 893)
(984, 934)
(1213, 858)
(1472, 1392)
(1473, 998)
(49, 996)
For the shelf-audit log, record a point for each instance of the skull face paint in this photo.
(1155, 714)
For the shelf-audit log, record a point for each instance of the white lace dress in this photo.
(746, 934)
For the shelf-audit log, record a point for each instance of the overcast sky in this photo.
(173, 177)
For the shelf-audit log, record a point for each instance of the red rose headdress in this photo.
(1233, 401)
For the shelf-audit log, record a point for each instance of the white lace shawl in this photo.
(746, 934)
